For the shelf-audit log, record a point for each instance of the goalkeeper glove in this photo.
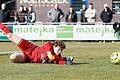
(69, 60)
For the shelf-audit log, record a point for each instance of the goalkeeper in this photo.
(48, 53)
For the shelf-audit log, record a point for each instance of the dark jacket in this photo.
(73, 17)
(83, 18)
(106, 16)
(4, 15)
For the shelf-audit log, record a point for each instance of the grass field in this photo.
(92, 62)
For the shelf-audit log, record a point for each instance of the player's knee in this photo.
(13, 57)
(17, 58)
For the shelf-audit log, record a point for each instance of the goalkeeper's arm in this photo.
(50, 56)
(54, 57)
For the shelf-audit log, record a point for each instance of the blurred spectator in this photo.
(31, 16)
(26, 10)
(106, 15)
(55, 14)
(4, 13)
(21, 15)
(13, 16)
(90, 13)
(83, 10)
(71, 16)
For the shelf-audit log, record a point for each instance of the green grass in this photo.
(91, 63)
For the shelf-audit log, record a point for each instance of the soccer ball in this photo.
(115, 58)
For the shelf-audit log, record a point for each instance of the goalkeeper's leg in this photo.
(9, 34)
(15, 57)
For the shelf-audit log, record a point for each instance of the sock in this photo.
(5, 28)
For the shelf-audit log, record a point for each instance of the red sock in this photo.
(5, 28)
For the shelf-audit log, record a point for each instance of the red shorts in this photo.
(27, 48)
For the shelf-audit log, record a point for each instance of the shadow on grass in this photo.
(74, 63)
(81, 63)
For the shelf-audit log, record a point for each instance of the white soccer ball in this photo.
(115, 57)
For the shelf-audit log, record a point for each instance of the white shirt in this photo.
(90, 14)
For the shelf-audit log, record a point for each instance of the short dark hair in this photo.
(90, 3)
(59, 43)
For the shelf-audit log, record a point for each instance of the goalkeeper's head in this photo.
(58, 46)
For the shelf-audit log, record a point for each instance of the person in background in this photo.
(106, 15)
(90, 14)
(71, 16)
(21, 17)
(82, 16)
(31, 15)
(26, 10)
(55, 14)
(4, 13)
(13, 16)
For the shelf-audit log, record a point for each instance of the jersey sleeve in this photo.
(49, 47)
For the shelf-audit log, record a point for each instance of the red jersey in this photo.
(34, 53)
(40, 53)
